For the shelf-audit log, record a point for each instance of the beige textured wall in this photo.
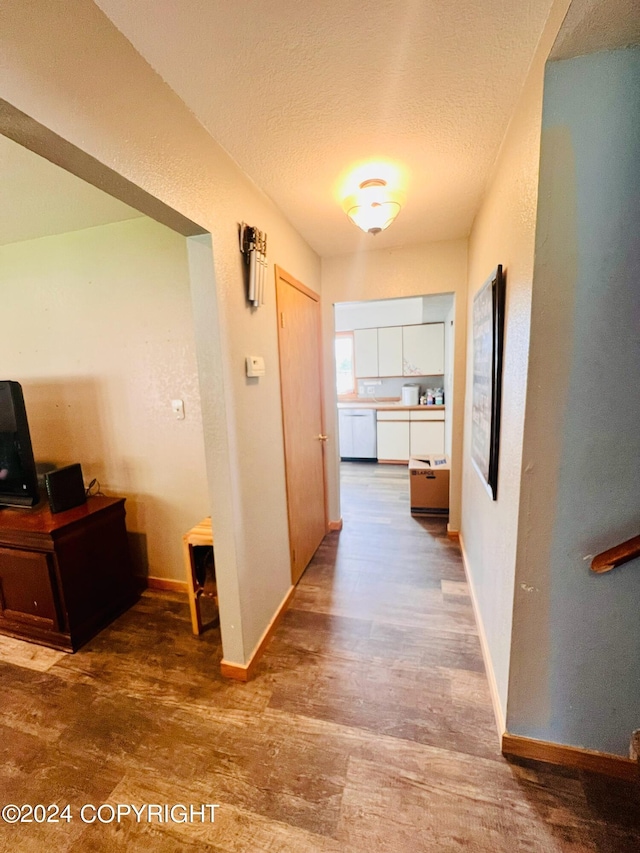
(110, 103)
(504, 233)
(101, 339)
(384, 274)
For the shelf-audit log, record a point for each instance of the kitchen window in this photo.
(345, 369)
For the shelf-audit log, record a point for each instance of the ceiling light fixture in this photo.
(373, 207)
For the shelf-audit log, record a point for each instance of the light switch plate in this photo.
(255, 365)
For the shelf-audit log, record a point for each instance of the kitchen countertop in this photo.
(389, 406)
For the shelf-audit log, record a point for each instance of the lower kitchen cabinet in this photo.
(402, 434)
(426, 437)
(393, 441)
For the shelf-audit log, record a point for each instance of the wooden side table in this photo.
(199, 536)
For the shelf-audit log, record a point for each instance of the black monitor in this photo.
(18, 476)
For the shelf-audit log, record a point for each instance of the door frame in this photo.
(298, 285)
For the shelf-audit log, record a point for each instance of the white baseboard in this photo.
(488, 663)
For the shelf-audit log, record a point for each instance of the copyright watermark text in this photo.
(110, 813)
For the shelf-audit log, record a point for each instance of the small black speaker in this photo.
(65, 487)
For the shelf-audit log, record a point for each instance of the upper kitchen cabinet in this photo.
(399, 351)
(390, 351)
(366, 352)
(423, 350)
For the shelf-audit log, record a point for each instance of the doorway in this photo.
(394, 381)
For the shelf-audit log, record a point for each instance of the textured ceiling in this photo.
(592, 25)
(299, 94)
(38, 199)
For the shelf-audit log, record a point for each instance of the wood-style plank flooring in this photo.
(368, 727)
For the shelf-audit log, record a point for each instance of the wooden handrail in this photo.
(622, 553)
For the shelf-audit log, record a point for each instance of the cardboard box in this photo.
(429, 485)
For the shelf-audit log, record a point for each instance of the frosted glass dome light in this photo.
(373, 207)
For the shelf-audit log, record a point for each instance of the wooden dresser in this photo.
(66, 576)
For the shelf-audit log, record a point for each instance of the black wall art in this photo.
(488, 338)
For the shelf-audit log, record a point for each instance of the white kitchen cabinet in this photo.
(428, 413)
(366, 352)
(390, 351)
(399, 351)
(423, 350)
(426, 438)
(393, 436)
(409, 432)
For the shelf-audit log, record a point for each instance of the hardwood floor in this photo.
(368, 727)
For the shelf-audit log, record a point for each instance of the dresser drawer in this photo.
(28, 589)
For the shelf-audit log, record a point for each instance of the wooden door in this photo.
(299, 342)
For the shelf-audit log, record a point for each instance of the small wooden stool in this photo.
(198, 536)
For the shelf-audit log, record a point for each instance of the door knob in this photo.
(322, 437)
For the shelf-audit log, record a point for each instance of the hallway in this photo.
(368, 727)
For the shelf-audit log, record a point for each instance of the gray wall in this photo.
(575, 661)
(391, 386)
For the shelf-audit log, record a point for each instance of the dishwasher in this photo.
(357, 429)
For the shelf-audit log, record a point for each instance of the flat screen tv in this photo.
(18, 475)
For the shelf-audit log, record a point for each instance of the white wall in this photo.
(383, 274)
(581, 456)
(109, 102)
(101, 339)
(504, 233)
(377, 314)
(392, 312)
(436, 309)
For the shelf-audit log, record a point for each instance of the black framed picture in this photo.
(488, 340)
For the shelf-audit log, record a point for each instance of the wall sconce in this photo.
(253, 245)
(373, 207)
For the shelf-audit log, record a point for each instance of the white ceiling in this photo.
(39, 199)
(301, 93)
(592, 25)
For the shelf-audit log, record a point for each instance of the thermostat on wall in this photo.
(255, 365)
